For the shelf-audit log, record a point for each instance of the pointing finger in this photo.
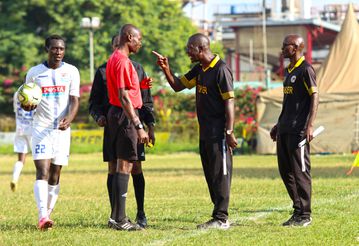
(157, 54)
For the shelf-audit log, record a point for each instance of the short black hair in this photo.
(52, 37)
(113, 38)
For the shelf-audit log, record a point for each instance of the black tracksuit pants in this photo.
(217, 166)
(294, 168)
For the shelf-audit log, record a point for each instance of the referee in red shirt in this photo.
(125, 127)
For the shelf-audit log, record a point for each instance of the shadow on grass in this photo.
(83, 225)
(245, 172)
(18, 227)
(270, 210)
(33, 227)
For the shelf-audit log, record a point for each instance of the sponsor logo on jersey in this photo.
(288, 89)
(202, 89)
(293, 78)
(55, 90)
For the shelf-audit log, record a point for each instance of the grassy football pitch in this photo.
(177, 200)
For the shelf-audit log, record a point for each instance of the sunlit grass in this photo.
(177, 200)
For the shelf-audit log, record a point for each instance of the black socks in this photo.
(139, 186)
(119, 194)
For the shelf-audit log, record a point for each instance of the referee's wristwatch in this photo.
(139, 126)
(229, 132)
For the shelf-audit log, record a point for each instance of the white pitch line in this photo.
(173, 238)
(256, 216)
(195, 232)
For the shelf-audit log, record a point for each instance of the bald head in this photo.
(130, 38)
(199, 41)
(295, 39)
(129, 29)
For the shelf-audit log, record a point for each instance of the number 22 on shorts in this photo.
(40, 148)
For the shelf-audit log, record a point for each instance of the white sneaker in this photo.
(214, 224)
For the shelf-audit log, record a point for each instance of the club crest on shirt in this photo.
(64, 78)
(293, 78)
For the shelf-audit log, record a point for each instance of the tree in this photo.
(25, 24)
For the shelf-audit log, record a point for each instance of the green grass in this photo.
(161, 147)
(177, 199)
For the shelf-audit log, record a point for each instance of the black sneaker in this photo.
(123, 225)
(141, 219)
(291, 220)
(214, 224)
(303, 222)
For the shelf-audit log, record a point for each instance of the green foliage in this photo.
(177, 199)
(24, 25)
(217, 48)
(163, 24)
(245, 126)
(175, 113)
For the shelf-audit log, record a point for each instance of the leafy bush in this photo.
(175, 113)
(245, 124)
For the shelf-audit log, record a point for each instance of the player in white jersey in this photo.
(60, 84)
(22, 142)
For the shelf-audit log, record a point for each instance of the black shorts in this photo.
(108, 151)
(122, 136)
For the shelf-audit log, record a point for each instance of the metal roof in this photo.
(281, 22)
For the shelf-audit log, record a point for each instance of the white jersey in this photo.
(23, 118)
(57, 86)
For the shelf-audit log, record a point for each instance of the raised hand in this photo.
(161, 60)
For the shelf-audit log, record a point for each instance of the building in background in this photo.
(199, 18)
(252, 33)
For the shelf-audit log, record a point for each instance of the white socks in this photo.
(17, 170)
(52, 197)
(41, 196)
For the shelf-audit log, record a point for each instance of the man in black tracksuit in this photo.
(98, 108)
(215, 112)
(296, 123)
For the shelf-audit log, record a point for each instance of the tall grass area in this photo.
(90, 141)
(177, 200)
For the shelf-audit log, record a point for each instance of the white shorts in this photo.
(51, 144)
(22, 143)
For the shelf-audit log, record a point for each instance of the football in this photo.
(29, 94)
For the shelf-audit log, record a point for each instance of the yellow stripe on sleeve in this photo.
(188, 84)
(227, 95)
(313, 90)
(310, 90)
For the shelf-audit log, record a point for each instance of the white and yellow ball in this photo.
(29, 94)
